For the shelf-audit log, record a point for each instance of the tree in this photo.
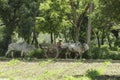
(52, 18)
(104, 19)
(89, 23)
(18, 15)
(77, 16)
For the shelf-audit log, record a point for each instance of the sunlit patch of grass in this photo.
(11, 78)
(70, 78)
(44, 63)
(77, 63)
(8, 73)
(1, 73)
(48, 74)
(73, 78)
(13, 62)
(84, 78)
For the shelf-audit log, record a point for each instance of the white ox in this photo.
(23, 47)
(76, 48)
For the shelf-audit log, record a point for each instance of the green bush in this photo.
(104, 52)
(38, 53)
(92, 73)
(100, 53)
(117, 43)
(115, 55)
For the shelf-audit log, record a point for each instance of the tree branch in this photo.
(81, 17)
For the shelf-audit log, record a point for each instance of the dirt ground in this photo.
(48, 69)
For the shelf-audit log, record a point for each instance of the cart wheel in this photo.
(52, 53)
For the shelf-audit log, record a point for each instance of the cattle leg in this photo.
(12, 54)
(66, 54)
(22, 54)
(80, 56)
(76, 56)
(7, 52)
(69, 55)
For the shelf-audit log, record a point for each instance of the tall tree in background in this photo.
(77, 17)
(52, 18)
(18, 15)
(58, 15)
(106, 21)
(27, 20)
(9, 16)
(111, 10)
(89, 23)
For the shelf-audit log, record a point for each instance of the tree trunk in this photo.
(77, 19)
(89, 24)
(77, 33)
(8, 31)
(98, 39)
(103, 36)
(89, 28)
(65, 34)
(35, 38)
(109, 42)
(51, 36)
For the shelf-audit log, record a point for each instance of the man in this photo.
(59, 43)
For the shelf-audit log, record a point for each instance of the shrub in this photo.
(38, 53)
(117, 43)
(93, 73)
(115, 55)
(100, 53)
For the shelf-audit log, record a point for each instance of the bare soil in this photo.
(47, 69)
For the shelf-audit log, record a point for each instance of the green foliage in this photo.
(52, 18)
(18, 15)
(93, 73)
(38, 53)
(117, 43)
(111, 9)
(13, 62)
(104, 52)
(100, 53)
(115, 55)
(28, 12)
(58, 16)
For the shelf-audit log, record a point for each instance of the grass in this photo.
(13, 62)
(52, 70)
(44, 63)
(91, 74)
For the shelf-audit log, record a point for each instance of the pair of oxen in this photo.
(77, 48)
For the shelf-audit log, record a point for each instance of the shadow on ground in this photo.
(102, 77)
(3, 58)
